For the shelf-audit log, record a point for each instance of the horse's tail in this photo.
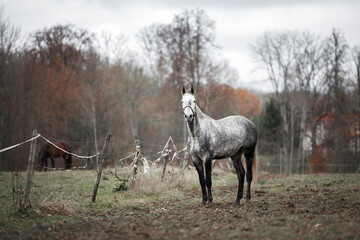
(255, 168)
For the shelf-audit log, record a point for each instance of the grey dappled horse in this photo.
(217, 139)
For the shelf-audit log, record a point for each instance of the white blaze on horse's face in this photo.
(189, 106)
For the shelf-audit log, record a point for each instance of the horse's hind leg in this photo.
(249, 156)
(240, 171)
(208, 166)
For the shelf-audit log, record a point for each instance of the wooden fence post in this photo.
(166, 156)
(185, 161)
(99, 170)
(30, 171)
(136, 160)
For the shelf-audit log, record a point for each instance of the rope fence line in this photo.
(39, 135)
(145, 162)
(122, 159)
(19, 144)
(80, 142)
(74, 154)
(141, 156)
(47, 140)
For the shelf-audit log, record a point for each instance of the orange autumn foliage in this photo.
(226, 101)
(318, 161)
(248, 103)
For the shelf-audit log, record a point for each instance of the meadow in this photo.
(314, 206)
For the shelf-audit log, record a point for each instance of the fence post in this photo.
(166, 158)
(100, 166)
(136, 160)
(30, 170)
(185, 160)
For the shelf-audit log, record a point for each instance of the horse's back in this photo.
(239, 129)
(55, 151)
(246, 125)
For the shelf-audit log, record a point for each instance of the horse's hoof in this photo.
(209, 203)
(237, 203)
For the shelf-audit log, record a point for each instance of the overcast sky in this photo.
(238, 22)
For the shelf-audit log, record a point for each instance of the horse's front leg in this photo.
(65, 157)
(45, 164)
(199, 167)
(208, 166)
(52, 162)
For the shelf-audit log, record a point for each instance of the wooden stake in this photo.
(99, 170)
(166, 158)
(136, 160)
(30, 171)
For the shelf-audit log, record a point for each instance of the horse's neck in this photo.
(195, 127)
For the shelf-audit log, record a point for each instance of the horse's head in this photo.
(188, 103)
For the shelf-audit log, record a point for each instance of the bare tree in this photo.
(335, 54)
(355, 53)
(274, 50)
(133, 86)
(308, 65)
(180, 51)
(9, 40)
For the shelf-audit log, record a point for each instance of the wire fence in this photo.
(129, 171)
(87, 157)
(146, 162)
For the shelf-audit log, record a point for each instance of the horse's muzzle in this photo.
(189, 117)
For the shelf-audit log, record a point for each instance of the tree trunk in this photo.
(292, 138)
(302, 130)
(1, 136)
(95, 131)
(285, 139)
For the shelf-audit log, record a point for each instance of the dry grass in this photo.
(153, 184)
(59, 206)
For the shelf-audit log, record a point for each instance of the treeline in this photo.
(311, 123)
(62, 82)
(73, 85)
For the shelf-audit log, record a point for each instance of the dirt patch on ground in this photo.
(296, 207)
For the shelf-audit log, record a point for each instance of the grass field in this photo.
(282, 207)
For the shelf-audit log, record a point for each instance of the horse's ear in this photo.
(192, 90)
(183, 90)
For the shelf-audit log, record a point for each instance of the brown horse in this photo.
(50, 151)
